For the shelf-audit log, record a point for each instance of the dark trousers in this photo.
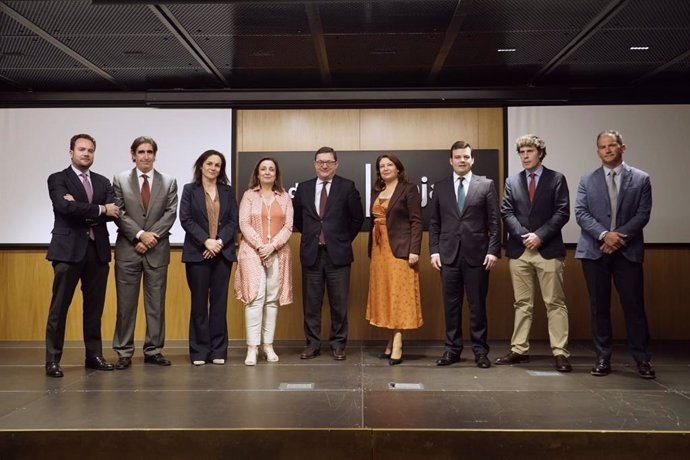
(629, 280)
(457, 279)
(336, 280)
(208, 328)
(94, 278)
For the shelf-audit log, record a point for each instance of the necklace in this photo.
(267, 205)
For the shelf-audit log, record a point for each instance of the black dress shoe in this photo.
(482, 361)
(562, 363)
(512, 358)
(53, 370)
(339, 353)
(123, 363)
(157, 359)
(98, 363)
(601, 368)
(447, 359)
(644, 368)
(310, 353)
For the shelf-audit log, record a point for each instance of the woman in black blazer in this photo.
(208, 214)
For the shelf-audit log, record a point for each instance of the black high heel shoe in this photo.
(384, 356)
(393, 362)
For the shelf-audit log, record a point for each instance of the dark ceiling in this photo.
(491, 50)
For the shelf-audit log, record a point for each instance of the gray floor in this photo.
(356, 393)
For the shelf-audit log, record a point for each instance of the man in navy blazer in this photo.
(613, 206)
(79, 249)
(535, 207)
(464, 243)
(326, 249)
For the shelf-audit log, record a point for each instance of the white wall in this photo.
(35, 143)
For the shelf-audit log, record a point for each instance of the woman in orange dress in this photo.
(395, 242)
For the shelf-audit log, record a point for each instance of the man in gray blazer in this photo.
(613, 206)
(148, 207)
(535, 207)
(464, 243)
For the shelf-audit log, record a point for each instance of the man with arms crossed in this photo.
(613, 206)
(148, 202)
(536, 206)
(464, 242)
(79, 249)
(329, 215)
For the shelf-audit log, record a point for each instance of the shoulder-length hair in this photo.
(254, 177)
(222, 176)
(380, 184)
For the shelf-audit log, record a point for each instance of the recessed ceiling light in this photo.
(639, 48)
(506, 50)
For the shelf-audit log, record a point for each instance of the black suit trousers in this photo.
(457, 279)
(629, 280)
(93, 274)
(336, 279)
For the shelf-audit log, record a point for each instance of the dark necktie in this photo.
(532, 186)
(322, 209)
(145, 192)
(89, 195)
(461, 194)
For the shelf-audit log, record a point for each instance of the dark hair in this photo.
(326, 149)
(81, 136)
(222, 176)
(380, 184)
(612, 132)
(457, 145)
(254, 178)
(144, 140)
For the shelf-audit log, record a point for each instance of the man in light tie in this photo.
(613, 205)
(148, 204)
(79, 249)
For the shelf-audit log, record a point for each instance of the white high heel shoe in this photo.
(271, 355)
(252, 351)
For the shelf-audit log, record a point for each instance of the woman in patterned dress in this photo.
(394, 246)
(263, 280)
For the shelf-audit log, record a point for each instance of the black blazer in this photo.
(546, 216)
(194, 220)
(403, 221)
(70, 234)
(342, 220)
(472, 234)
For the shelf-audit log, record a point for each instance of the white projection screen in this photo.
(656, 138)
(35, 143)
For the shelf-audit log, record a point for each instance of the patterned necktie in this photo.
(89, 194)
(461, 194)
(613, 198)
(532, 186)
(322, 209)
(145, 192)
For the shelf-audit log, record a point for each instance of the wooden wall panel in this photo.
(26, 277)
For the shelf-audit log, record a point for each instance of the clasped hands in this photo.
(147, 240)
(612, 242)
(265, 250)
(531, 241)
(213, 248)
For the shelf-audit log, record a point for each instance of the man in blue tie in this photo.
(612, 208)
(79, 249)
(464, 243)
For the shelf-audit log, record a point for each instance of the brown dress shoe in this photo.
(339, 353)
(512, 358)
(310, 353)
(562, 363)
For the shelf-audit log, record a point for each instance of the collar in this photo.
(467, 177)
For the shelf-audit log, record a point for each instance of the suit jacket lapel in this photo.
(200, 197)
(134, 185)
(157, 190)
(77, 185)
(397, 193)
(472, 192)
(626, 180)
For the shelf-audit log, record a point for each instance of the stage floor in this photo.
(361, 392)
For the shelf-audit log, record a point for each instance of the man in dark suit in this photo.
(79, 249)
(536, 206)
(329, 215)
(464, 243)
(148, 206)
(613, 206)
